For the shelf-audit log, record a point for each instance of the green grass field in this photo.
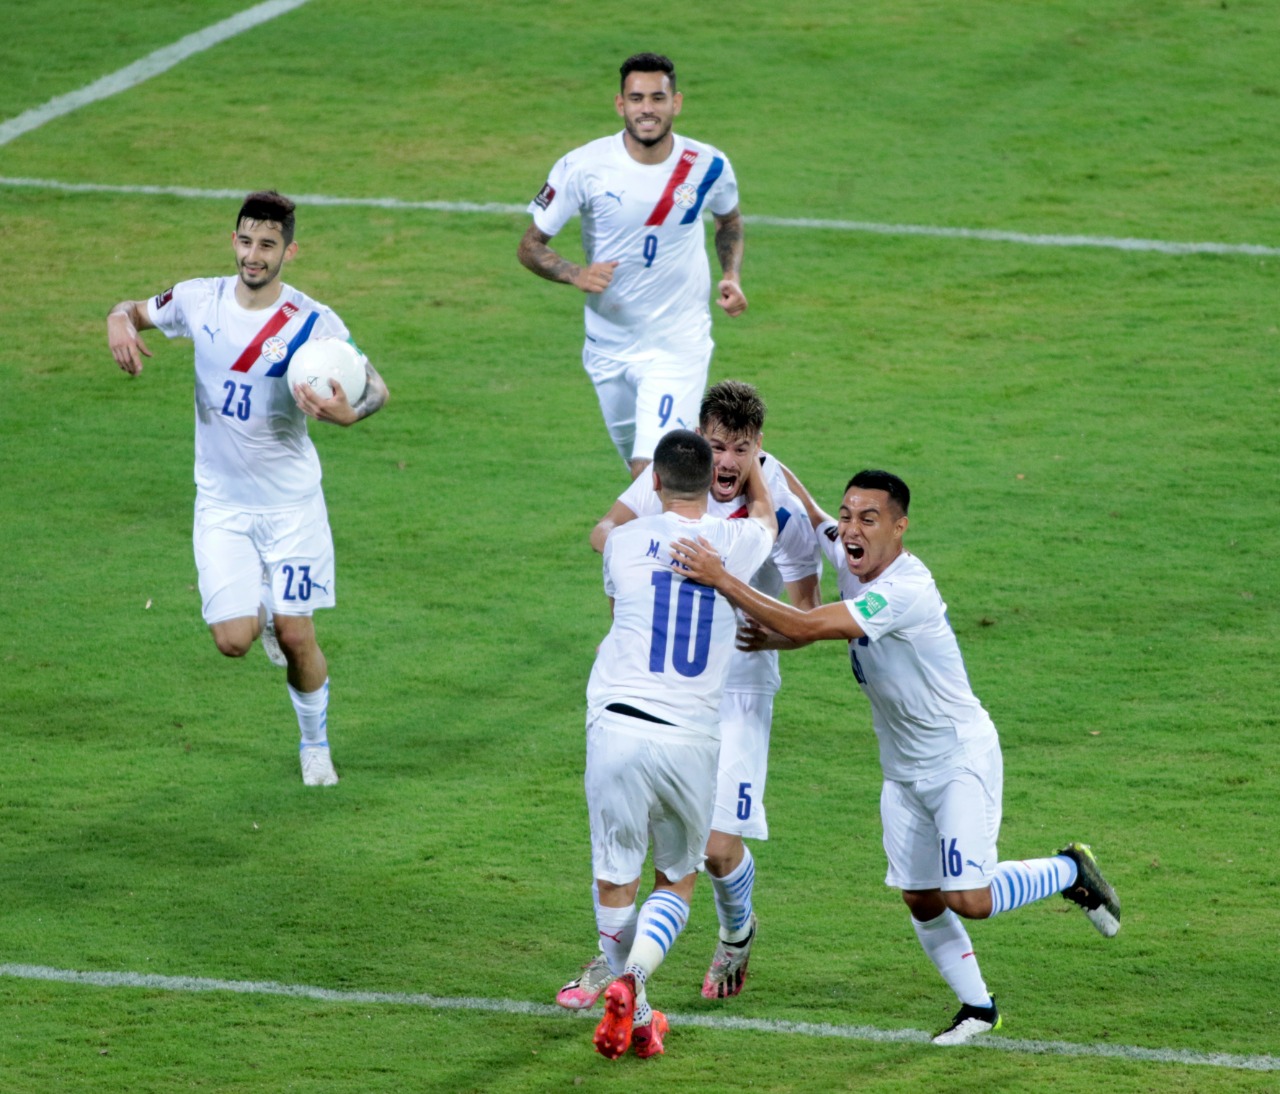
(1091, 435)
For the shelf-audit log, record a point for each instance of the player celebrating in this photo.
(943, 777)
(641, 194)
(731, 418)
(653, 708)
(263, 547)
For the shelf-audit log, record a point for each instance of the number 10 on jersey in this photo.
(691, 646)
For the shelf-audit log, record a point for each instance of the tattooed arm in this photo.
(729, 251)
(336, 408)
(535, 255)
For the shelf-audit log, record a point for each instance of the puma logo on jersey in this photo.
(213, 334)
(616, 197)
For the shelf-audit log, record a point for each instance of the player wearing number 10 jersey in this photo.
(653, 733)
(264, 552)
(642, 194)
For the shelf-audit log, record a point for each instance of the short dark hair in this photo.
(647, 62)
(684, 464)
(269, 205)
(899, 493)
(735, 405)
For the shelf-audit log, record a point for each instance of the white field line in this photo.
(990, 235)
(151, 65)
(705, 1021)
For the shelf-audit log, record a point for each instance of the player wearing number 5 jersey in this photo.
(653, 709)
(264, 552)
(943, 779)
(642, 194)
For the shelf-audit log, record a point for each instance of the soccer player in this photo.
(731, 418)
(653, 734)
(943, 777)
(263, 548)
(642, 193)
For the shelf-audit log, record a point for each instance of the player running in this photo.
(264, 552)
(940, 804)
(642, 194)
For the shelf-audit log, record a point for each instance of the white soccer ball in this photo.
(319, 360)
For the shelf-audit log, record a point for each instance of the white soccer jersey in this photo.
(668, 651)
(252, 448)
(647, 218)
(794, 556)
(924, 712)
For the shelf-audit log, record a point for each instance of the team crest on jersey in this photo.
(545, 195)
(274, 350)
(871, 604)
(685, 195)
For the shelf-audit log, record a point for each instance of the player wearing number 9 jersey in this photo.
(653, 724)
(642, 194)
(264, 552)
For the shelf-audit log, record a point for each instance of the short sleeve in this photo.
(560, 197)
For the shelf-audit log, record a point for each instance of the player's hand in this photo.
(731, 297)
(596, 277)
(699, 560)
(126, 344)
(334, 409)
(752, 637)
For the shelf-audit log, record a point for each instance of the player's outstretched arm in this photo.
(702, 563)
(816, 514)
(123, 323)
(535, 255)
(619, 513)
(729, 250)
(336, 408)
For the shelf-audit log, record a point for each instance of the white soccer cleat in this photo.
(728, 969)
(582, 993)
(317, 766)
(969, 1022)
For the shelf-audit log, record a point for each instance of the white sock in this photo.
(947, 945)
(617, 930)
(643, 1014)
(662, 918)
(733, 898)
(1014, 884)
(312, 708)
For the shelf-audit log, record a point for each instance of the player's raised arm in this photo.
(729, 249)
(816, 513)
(760, 501)
(123, 323)
(535, 255)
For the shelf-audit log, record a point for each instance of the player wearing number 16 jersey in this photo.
(264, 552)
(642, 194)
(653, 735)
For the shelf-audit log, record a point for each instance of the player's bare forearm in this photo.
(729, 247)
(760, 500)
(126, 345)
(375, 393)
(702, 563)
(535, 255)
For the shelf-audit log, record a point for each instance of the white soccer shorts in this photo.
(233, 546)
(642, 400)
(646, 780)
(941, 832)
(745, 718)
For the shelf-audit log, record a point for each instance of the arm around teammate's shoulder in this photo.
(619, 514)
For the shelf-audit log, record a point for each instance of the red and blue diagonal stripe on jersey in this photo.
(687, 159)
(704, 187)
(281, 367)
(253, 350)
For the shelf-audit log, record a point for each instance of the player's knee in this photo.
(924, 904)
(296, 635)
(232, 645)
(970, 903)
